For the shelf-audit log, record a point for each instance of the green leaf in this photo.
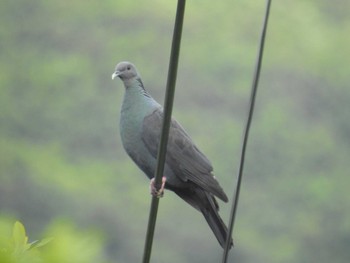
(37, 243)
(19, 238)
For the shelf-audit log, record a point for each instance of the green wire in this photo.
(168, 106)
(246, 133)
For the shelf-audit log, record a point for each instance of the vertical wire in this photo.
(168, 105)
(246, 133)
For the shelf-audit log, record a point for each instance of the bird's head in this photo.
(125, 71)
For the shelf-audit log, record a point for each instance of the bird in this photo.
(187, 171)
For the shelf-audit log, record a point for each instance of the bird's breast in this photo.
(130, 127)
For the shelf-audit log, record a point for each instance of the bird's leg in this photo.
(157, 193)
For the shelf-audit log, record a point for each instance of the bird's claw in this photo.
(157, 193)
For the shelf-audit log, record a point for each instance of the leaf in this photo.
(37, 243)
(19, 238)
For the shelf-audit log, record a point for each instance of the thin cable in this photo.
(246, 133)
(168, 106)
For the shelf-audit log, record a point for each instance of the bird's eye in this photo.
(128, 68)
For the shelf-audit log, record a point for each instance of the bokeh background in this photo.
(63, 172)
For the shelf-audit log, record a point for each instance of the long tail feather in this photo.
(210, 213)
(206, 203)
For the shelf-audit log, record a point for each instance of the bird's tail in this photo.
(206, 203)
(210, 213)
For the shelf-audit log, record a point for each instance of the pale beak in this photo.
(115, 74)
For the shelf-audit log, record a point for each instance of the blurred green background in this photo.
(61, 159)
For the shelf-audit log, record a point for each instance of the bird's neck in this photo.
(133, 82)
(136, 97)
(137, 104)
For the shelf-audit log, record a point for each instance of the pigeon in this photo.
(187, 171)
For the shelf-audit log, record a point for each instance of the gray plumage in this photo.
(188, 172)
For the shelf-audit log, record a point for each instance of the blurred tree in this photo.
(61, 156)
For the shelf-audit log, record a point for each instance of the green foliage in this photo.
(61, 156)
(16, 248)
(66, 245)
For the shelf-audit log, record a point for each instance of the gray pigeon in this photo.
(187, 171)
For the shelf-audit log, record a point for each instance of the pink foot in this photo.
(157, 193)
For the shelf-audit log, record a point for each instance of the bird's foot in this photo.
(157, 193)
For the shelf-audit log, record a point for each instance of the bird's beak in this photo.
(115, 74)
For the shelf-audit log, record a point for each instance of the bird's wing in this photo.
(183, 157)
